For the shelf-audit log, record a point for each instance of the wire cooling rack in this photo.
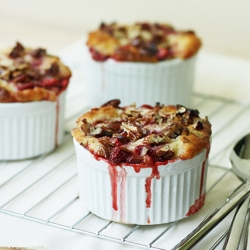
(44, 189)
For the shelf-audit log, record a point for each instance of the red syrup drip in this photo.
(113, 173)
(197, 205)
(137, 169)
(202, 177)
(148, 220)
(200, 201)
(203, 170)
(114, 179)
(155, 173)
(57, 120)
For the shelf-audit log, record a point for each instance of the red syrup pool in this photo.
(197, 205)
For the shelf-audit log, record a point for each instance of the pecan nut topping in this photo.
(143, 135)
(31, 75)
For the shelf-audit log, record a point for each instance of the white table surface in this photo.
(216, 74)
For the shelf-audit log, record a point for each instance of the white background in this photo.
(223, 25)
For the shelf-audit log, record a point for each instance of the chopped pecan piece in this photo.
(22, 78)
(53, 70)
(151, 49)
(38, 52)
(156, 139)
(103, 151)
(5, 75)
(198, 133)
(17, 50)
(114, 126)
(85, 127)
(193, 112)
(195, 132)
(122, 138)
(165, 152)
(34, 74)
(106, 141)
(96, 131)
(137, 42)
(134, 132)
(182, 109)
(115, 103)
(4, 94)
(198, 125)
(135, 159)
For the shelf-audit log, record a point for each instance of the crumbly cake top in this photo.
(141, 42)
(31, 75)
(143, 135)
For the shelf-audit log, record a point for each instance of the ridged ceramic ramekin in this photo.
(168, 82)
(142, 196)
(30, 129)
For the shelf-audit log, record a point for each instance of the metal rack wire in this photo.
(44, 189)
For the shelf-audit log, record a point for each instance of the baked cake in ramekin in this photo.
(32, 100)
(145, 62)
(142, 165)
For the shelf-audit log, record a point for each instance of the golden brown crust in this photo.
(142, 42)
(31, 75)
(134, 135)
(185, 45)
(35, 94)
(103, 42)
(100, 114)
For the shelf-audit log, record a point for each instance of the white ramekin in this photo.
(30, 129)
(177, 192)
(168, 82)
